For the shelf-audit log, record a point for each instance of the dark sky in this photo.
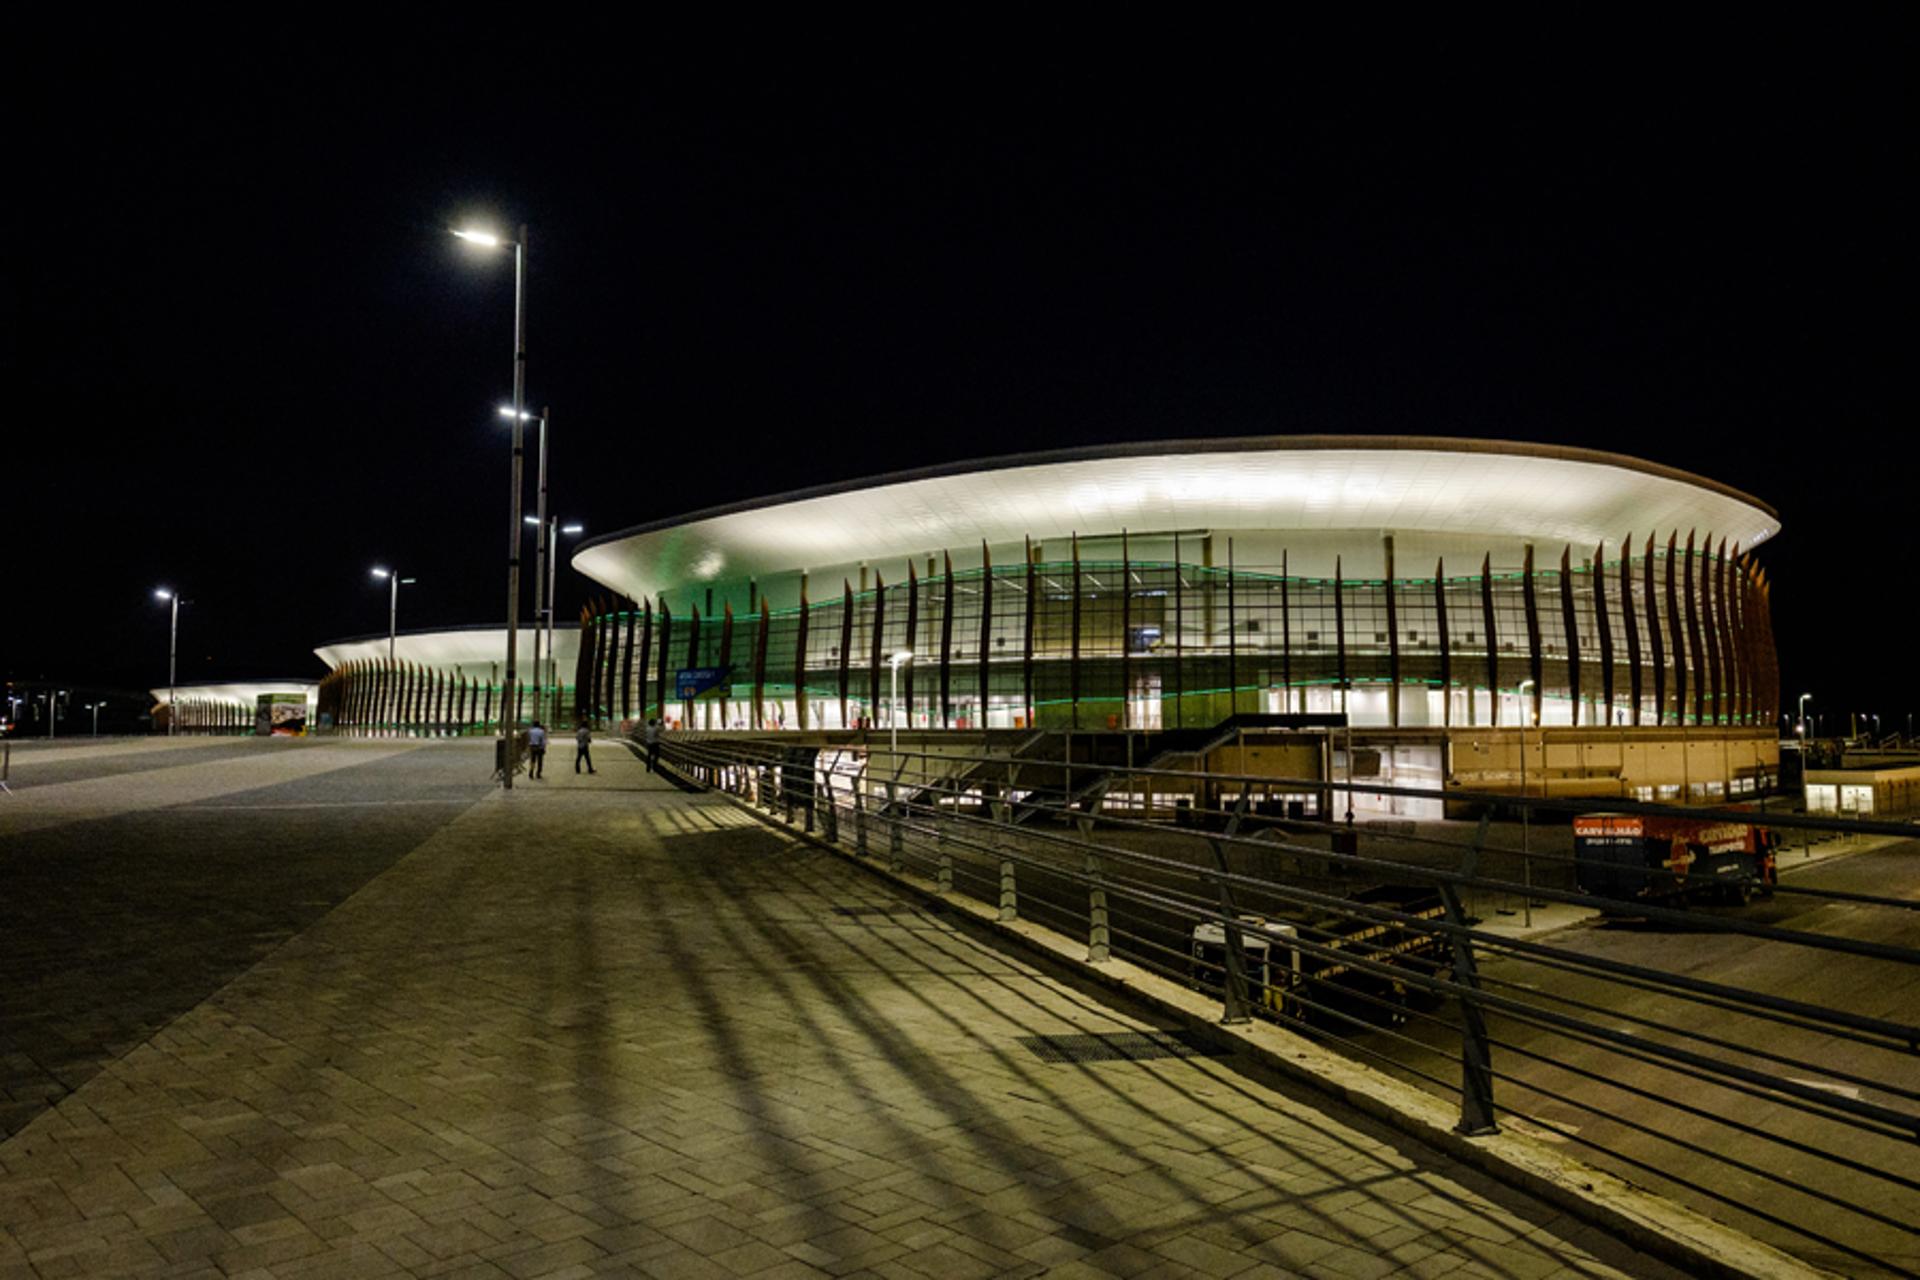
(247, 359)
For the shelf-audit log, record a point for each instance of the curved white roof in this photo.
(1495, 489)
(474, 650)
(244, 691)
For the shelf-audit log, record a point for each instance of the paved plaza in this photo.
(324, 1009)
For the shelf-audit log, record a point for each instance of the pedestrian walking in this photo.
(537, 750)
(583, 748)
(653, 743)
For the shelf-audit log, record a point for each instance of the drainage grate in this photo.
(1119, 1046)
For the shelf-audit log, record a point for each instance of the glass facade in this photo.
(1674, 635)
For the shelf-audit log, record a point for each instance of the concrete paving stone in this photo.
(752, 1258)
(675, 1262)
(706, 1234)
(463, 1268)
(549, 1259)
(640, 1043)
(1191, 1250)
(1343, 1263)
(450, 1239)
(794, 1269)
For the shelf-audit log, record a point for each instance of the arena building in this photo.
(1464, 606)
(444, 682)
(235, 707)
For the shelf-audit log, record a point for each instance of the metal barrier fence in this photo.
(1757, 1062)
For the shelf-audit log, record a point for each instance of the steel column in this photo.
(1570, 625)
(1493, 645)
(1536, 667)
(1340, 633)
(946, 641)
(1656, 644)
(1233, 639)
(1695, 658)
(1632, 624)
(986, 628)
(1446, 647)
(1073, 655)
(1676, 628)
(845, 650)
(1393, 641)
(762, 634)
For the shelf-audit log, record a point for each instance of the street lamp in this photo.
(509, 702)
(897, 661)
(1804, 699)
(539, 523)
(554, 530)
(95, 708)
(173, 654)
(394, 582)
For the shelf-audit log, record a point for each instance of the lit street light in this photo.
(1804, 699)
(95, 708)
(509, 702)
(173, 654)
(395, 582)
(541, 544)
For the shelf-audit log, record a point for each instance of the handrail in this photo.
(1343, 969)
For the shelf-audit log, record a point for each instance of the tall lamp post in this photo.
(95, 708)
(539, 523)
(394, 582)
(554, 530)
(897, 661)
(173, 654)
(1804, 699)
(509, 699)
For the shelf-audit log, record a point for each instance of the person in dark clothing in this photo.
(653, 744)
(583, 748)
(536, 750)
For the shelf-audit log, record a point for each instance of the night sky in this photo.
(247, 360)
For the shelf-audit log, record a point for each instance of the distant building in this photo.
(1889, 790)
(236, 707)
(445, 682)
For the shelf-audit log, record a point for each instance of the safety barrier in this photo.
(1757, 1062)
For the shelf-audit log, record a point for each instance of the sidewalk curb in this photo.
(1648, 1222)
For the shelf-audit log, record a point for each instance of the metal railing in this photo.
(1758, 1062)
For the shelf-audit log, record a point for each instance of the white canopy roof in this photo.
(242, 691)
(475, 650)
(1498, 490)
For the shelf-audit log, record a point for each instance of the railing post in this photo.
(946, 855)
(895, 860)
(1235, 1008)
(1009, 889)
(1476, 1054)
(859, 815)
(1099, 938)
(830, 813)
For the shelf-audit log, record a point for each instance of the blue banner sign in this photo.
(691, 682)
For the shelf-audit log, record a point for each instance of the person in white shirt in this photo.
(536, 750)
